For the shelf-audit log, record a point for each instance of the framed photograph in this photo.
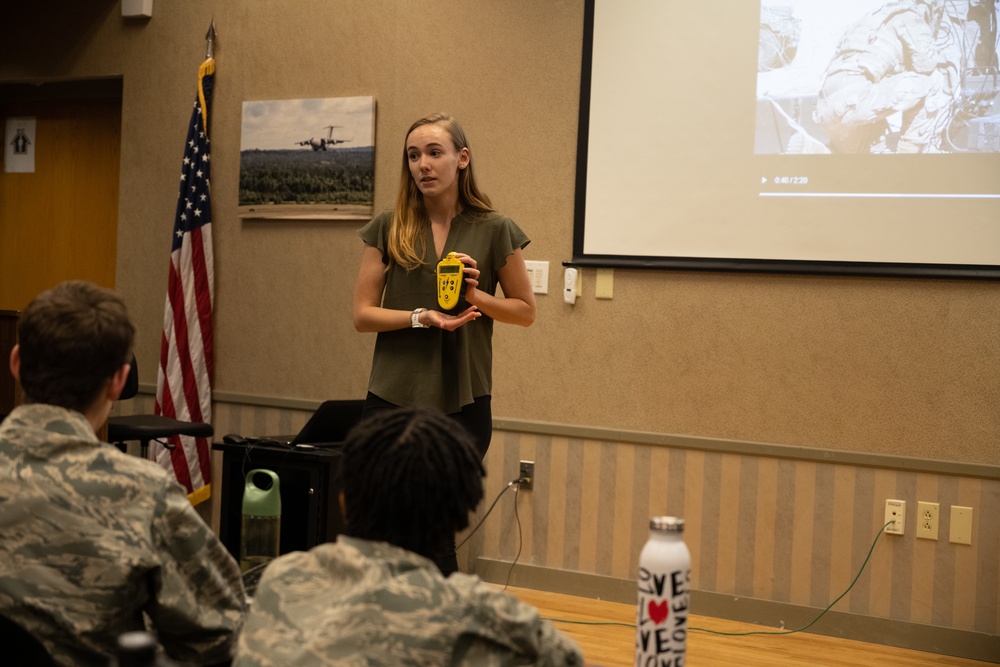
(308, 159)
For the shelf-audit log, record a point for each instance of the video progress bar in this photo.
(881, 195)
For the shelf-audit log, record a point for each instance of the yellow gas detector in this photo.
(451, 277)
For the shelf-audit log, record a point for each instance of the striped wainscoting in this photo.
(775, 529)
(784, 525)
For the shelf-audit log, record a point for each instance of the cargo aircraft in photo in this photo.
(321, 144)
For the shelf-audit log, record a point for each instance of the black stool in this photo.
(144, 428)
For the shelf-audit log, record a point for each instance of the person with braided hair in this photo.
(374, 597)
(436, 474)
(426, 355)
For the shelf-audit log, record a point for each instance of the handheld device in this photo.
(570, 279)
(450, 275)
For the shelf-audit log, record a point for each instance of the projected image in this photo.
(876, 77)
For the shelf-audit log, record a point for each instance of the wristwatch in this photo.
(415, 319)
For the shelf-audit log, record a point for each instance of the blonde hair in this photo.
(406, 243)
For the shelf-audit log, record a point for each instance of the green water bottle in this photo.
(260, 531)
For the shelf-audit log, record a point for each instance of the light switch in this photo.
(538, 274)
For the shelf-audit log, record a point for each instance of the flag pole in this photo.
(207, 67)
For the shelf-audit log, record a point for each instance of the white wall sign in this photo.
(19, 146)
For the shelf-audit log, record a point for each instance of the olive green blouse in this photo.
(433, 367)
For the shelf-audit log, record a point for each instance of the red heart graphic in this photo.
(658, 612)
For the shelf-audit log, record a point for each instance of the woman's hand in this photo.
(447, 321)
(517, 306)
(471, 272)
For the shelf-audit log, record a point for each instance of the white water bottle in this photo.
(664, 595)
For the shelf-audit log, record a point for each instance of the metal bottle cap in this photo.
(670, 524)
(135, 649)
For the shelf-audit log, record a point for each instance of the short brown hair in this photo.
(73, 338)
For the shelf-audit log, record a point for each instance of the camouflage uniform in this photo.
(888, 62)
(91, 538)
(356, 602)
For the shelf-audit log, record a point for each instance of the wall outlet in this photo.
(895, 511)
(527, 472)
(927, 520)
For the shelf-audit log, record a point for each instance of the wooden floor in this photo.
(613, 645)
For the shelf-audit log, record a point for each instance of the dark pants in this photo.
(477, 418)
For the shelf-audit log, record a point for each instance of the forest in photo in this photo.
(342, 176)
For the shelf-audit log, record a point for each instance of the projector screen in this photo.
(847, 136)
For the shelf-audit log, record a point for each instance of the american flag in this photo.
(184, 380)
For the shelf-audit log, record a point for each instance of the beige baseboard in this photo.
(767, 614)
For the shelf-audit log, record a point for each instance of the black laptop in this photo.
(329, 425)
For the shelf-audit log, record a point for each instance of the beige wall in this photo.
(765, 528)
(885, 367)
(894, 366)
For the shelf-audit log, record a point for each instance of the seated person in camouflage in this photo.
(94, 542)
(375, 597)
